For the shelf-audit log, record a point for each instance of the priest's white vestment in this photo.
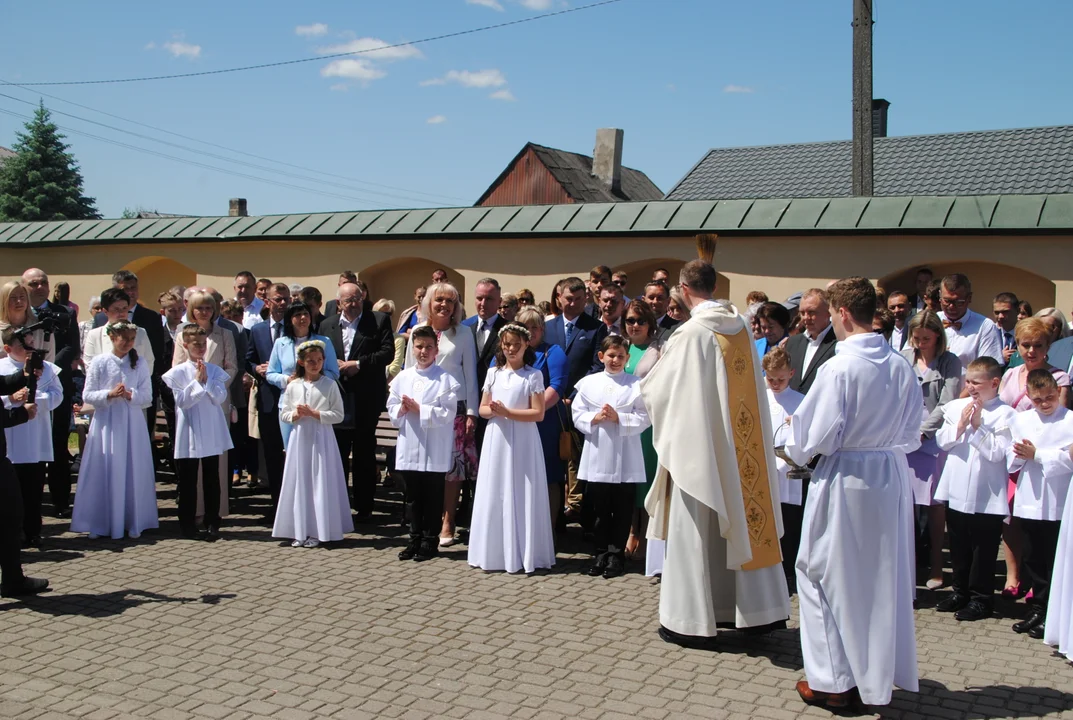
(855, 565)
(715, 498)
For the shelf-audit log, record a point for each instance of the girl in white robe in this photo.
(117, 484)
(511, 520)
(313, 502)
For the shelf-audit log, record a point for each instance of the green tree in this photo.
(42, 181)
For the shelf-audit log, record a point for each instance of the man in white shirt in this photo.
(812, 348)
(898, 304)
(246, 295)
(969, 334)
(486, 325)
(1004, 310)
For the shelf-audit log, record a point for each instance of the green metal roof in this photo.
(918, 214)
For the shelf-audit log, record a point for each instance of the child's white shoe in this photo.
(296, 543)
(311, 543)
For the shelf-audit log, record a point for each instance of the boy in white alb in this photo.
(202, 431)
(1039, 438)
(975, 436)
(782, 404)
(609, 412)
(422, 404)
(29, 446)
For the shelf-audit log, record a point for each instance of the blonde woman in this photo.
(15, 311)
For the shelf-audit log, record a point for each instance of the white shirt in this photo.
(1044, 481)
(813, 346)
(484, 329)
(251, 314)
(896, 341)
(782, 406)
(31, 442)
(975, 478)
(201, 428)
(612, 451)
(978, 336)
(426, 438)
(349, 330)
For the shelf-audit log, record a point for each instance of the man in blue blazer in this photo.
(485, 325)
(262, 338)
(579, 335)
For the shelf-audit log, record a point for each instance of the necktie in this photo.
(569, 333)
(482, 336)
(275, 332)
(956, 324)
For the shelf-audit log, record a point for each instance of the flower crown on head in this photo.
(120, 326)
(517, 330)
(310, 344)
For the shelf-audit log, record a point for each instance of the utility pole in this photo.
(862, 97)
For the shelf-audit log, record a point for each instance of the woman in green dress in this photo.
(646, 346)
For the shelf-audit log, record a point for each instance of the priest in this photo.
(855, 563)
(715, 499)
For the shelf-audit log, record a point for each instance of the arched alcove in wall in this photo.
(988, 280)
(157, 274)
(396, 280)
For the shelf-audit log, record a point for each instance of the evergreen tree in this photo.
(43, 182)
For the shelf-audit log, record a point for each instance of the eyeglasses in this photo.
(955, 302)
(636, 321)
(620, 283)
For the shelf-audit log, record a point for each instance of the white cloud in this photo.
(374, 49)
(352, 69)
(339, 87)
(491, 78)
(504, 94)
(437, 119)
(538, 4)
(494, 4)
(314, 30)
(737, 89)
(178, 48)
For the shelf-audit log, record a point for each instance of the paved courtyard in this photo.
(246, 630)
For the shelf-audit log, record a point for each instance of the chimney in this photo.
(237, 207)
(879, 117)
(607, 158)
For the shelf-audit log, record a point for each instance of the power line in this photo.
(281, 63)
(217, 156)
(432, 197)
(195, 163)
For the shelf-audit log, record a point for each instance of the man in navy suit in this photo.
(485, 325)
(579, 335)
(262, 338)
(364, 344)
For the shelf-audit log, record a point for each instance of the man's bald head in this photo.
(350, 299)
(36, 283)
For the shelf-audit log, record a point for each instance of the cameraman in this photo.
(68, 353)
(12, 582)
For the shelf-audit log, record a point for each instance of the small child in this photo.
(116, 482)
(1039, 437)
(609, 412)
(782, 404)
(313, 502)
(975, 436)
(29, 446)
(510, 527)
(422, 405)
(202, 434)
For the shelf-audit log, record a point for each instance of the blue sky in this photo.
(438, 122)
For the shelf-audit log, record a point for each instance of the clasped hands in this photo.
(303, 410)
(409, 405)
(606, 414)
(970, 416)
(120, 391)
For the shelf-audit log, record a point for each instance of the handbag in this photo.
(568, 449)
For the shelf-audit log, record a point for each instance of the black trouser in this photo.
(424, 503)
(237, 457)
(10, 526)
(360, 440)
(150, 418)
(792, 515)
(613, 505)
(272, 440)
(59, 470)
(210, 484)
(1042, 538)
(167, 404)
(974, 541)
(32, 486)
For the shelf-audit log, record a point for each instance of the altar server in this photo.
(1058, 629)
(975, 435)
(783, 402)
(116, 483)
(1039, 437)
(313, 502)
(609, 412)
(422, 404)
(29, 446)
(202, 432)
(855, 567)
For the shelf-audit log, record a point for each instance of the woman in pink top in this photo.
(1033, 337)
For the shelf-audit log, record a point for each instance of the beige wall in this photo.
(1033, 266)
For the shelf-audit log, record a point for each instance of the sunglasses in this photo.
(636, 321)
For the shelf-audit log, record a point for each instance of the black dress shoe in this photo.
(34, 542)
(1036, 633)
(691, 642)
(213, 534)
(599, 566)
(975, 610)
(1035, 617)
(62, 513)
(953, 602)
(615, 566)
(28, 586)
(427, 550)
(363, 516)
(410, 551)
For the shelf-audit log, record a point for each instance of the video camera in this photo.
(36, 359)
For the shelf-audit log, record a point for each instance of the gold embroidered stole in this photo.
(745, 421)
